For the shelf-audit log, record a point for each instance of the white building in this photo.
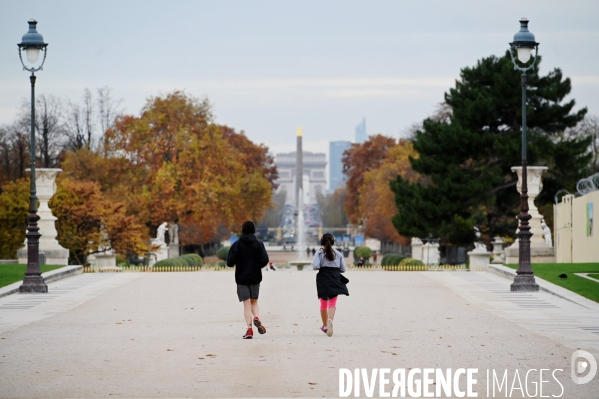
(314, 179)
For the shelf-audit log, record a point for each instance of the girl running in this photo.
(329, 281)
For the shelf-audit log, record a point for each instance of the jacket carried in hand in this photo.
(249, 256)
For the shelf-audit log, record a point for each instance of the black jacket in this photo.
(330, 283)
(249, 255)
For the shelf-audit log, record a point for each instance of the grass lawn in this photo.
(580, 285)
(594, 276)
(12, 273)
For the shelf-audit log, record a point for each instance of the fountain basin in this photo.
(300, 263)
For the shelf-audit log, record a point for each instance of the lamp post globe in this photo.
(523, 44)
(32, 43)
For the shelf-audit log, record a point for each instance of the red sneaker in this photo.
(249, 334)
(258, 323)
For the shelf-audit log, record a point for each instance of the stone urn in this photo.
(45, 181)
(540, 252)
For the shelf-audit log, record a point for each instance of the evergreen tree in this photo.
(467, 160)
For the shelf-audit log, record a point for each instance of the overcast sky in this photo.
(269, 66)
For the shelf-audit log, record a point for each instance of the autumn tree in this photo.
(172, 163)
(377, 201)
(357, 160)
(14, 205)
(48, 127)
(14, 152)
(272, 217)
(89, 223)
(331, 208)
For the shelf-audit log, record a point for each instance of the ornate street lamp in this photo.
(523, 44)
(32, 44)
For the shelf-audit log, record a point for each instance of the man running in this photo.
(249, 255)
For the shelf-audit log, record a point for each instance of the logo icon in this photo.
(581, 363)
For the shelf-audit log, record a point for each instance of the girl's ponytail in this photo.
(328, 248)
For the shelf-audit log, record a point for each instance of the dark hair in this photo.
(327, 241)
(248, 227)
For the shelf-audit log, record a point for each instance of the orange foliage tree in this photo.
(172, 163)
(377, 201)
(357, 160)
(88, 222)
(14, 205)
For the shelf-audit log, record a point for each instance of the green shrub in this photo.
(181, 261)
(411, 262)
(120, 259)
(392, 259)
(362, 252)
(193, 259)
(184, 260)
(222, 253)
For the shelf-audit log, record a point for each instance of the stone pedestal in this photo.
(173, 250)
(478, 258)
(430, 253)
(55, 253)
(106, 262)
(416, 248)
(498, 253)
(160, 251)
(540, 252)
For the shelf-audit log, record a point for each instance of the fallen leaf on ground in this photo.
(170, 350)
(211, 354)
(312, 383)
(119, 323)
(394, 354)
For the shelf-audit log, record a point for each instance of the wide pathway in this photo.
(170, 335)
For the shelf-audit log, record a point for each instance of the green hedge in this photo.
(411, 262)
(222, 253)
(392, 259)
(362, 252)
(193, 259)
(184, 260)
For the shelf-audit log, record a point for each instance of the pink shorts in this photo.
(328, 303)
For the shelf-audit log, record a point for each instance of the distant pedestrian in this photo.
(313, 251)
(249, 255)
(374, 257)
(307, 252)
(329, 281)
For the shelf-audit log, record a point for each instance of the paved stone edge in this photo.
(52, 275)
(546, 286)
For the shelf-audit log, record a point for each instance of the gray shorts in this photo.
(245, 292)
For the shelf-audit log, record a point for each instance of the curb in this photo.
(52, 275)
(546, 286)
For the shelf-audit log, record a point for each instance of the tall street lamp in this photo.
(32, 44)
(523, 44)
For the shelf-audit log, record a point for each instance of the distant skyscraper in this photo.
(361, 135)
(336, 176)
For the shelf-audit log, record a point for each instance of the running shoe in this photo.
(258, 323)
(330, 328)
(249, 334)
(323, 329)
